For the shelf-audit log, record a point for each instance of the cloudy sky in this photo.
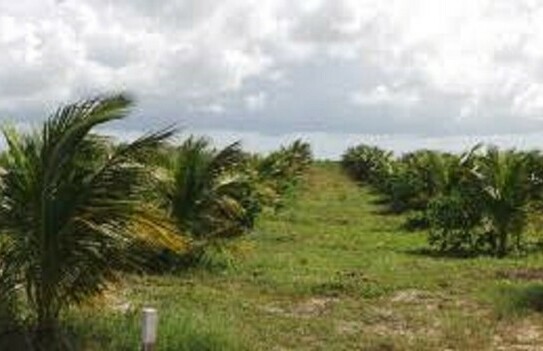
(402, 74)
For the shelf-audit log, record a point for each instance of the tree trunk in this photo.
(502, 243)
(46, 332)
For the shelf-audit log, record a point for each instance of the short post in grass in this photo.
(148, 330)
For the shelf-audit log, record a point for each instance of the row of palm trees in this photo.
(75, 208)
(478, 201)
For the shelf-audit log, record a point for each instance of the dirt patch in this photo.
(431, 301)
(350, 327)
(520, 336)
(273, 310)
(312, 307)
(389, 323)
(521, 274)
(411, 296)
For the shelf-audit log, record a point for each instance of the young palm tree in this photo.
(504, 179)
(205, 192)
(279, 171)
(71, 208)
(441, 173)
(366, 163)
(534, 167)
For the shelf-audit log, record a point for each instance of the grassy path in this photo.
(332, 273)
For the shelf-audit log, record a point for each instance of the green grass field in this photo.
(329, 272)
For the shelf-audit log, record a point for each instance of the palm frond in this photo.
(73, 204)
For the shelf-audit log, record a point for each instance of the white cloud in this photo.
(214, 108)
(383, 95)
(365, 66)
(255, 102)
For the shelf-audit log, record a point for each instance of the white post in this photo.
(148, 330)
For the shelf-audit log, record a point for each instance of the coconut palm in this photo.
(367, 163)
(453, 208)
(534, 166)
(504, 180)
(441, 173)
(205, 192)
(429, 168)
(278, 172)
(299, 155)
(71, 208)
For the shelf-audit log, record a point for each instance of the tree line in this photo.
(477, 202)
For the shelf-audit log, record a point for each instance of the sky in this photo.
(400, 74)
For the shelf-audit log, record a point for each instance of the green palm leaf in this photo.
(71, 205)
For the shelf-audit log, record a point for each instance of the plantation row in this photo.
(75, 208)
(478, 202)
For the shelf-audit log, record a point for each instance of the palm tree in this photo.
(71, 208)
(504, 180)
(205, 191)
(278, 172)
(366, 163)
(534, 166)
(441, 173)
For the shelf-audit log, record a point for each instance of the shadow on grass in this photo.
(472, 253)
(521, 274)
(389, 207)
(26, 339)
(379, 200)
(383, 205)
(514, 300)
(433, 253)
(14, 340)
(385, 211)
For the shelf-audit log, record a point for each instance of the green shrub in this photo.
(366, 163)
(454, 224)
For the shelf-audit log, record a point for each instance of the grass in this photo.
(329, 272)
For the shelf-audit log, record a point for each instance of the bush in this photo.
(366, 164)
(454, 224)
(277, 174)
(402, 188)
